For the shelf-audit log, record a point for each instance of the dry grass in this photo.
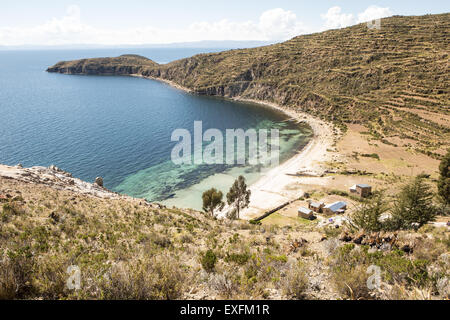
(128, 249)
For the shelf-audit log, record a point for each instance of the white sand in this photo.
(276, 186)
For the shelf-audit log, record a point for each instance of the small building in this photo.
(316, 206)
(363, 190)
(335, 208)
(306, 213)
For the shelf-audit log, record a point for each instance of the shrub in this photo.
(349, 273)
(51, 282)
(351, 282)
(224, 284)
(444, 179)
(429, 249)
(234, 238)
(160, 240)
(350, 265)
(186, 238)
(208, 261)
(401, 269)
(10, 280)
(9, 210)
(16, 274)
(238, 258)
(296, 283)
(251, 273)
(281, 258)
(338, 193)
(161, 278)
(371, 155)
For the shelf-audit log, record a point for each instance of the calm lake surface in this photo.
(120, 127)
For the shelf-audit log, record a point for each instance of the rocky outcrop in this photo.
(58, 179)
(99, 181)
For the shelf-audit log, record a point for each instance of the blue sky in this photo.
(140, 21)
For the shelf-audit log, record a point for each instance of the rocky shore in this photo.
(58, 179)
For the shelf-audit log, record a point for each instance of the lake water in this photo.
(120, 127)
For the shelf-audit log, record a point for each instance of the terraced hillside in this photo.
(394, 81)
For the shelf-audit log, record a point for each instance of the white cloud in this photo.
(374, 12)
(275, 24)
(54, 31)
(335, 19)
(280, 24)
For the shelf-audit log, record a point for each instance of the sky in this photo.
(137, 22)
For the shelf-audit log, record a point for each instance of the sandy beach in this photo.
(277, 186)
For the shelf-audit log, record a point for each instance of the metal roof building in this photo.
(306, 213)
(335, 207)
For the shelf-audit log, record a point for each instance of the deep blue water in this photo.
(115, 127)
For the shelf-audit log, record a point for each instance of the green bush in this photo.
(444, 179)
(238, 258)
(208, 260)
(338, 193)
(371, 155)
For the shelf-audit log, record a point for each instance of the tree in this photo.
(413, 207)
(444, 179)
(239, 195)
(212, 200)
(367, 216)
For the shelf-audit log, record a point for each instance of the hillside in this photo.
(388, 90)
(129, 248)
(394, 81)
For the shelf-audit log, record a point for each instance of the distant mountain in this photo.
(198, 44)
(212, 44)
(394, 81)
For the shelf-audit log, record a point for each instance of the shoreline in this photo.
(275, 184)
(272, 189)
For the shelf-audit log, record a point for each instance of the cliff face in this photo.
(354, 75)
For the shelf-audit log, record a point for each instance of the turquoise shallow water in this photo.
(120, 127)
